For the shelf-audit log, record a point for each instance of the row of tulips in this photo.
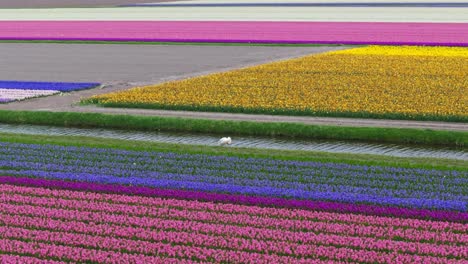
(364, 209)
(56, 86)
(318, 181)
(8, 95)
(424, 83)
(18, 90)
(64, 225)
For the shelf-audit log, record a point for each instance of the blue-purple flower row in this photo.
(56, 86)
(406, 187)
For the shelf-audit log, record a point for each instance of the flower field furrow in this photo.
(251, 246)
(168, 221)
(263, 222)
(209, 251)
(149, 248)
(239, 199)
(13, 259)
(302, 180)
(385, 82)
(131, 205)
(150, 160)
(305, 182)
(316, 175)
(101, 227)
(454, 204)
(101, 157)
(67, 253)
(179, 213)
(311, 236)
(161, 209)
(299, 244)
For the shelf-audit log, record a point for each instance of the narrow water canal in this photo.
(246, 141)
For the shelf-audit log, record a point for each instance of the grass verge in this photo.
(279, 111)
(291, 130)
(361, 159)
(164, 43)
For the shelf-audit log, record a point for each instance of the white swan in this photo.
(225, 141)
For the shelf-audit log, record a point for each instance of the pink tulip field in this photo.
(81, 204)
(382, 33)
(61, 225)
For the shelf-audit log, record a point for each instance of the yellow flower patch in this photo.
(373, 80)
(407, 51)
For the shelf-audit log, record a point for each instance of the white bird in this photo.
(225, 141)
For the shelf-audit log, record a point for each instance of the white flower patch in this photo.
(7, 95)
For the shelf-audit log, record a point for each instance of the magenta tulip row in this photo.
(440, 34)
(146, 206)
(242, 199)
(5, 258)
(167, 221)
(86, 224)
(69, 253)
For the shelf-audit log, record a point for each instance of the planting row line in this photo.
(312, 174)
(209, 236)
(241, 199)
(138, 205)
(290, 179)
(224, 225)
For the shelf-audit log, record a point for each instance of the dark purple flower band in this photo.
(242, 199)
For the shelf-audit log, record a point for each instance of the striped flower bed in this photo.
(438, 34)
(314, 181)
(95, 205)
(61, 225)
(18, 90)
(8, 95)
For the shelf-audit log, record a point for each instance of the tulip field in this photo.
(104, 205)
(426, 83)
(347, 118)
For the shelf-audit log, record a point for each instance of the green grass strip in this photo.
(163, 43)
(225, 127)
(358, 159)
(279, 111)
